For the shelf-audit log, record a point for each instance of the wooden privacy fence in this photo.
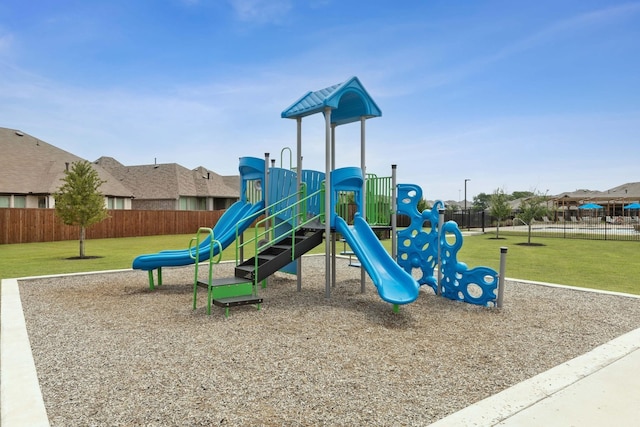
(27, 225)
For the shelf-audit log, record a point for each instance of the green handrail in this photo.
(210, 263)
(299, 218)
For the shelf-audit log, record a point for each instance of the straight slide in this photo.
(239, 214)
(394, 285)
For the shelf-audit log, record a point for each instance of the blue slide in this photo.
(394, 285)
(239, 214)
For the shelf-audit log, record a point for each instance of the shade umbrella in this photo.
(590, 206)
(634, 205)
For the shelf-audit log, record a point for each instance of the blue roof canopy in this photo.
(349, 101)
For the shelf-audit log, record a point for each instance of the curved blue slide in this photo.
(394, 284)
(240, 214)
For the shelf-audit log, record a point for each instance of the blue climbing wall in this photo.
(418, 251)
(417, 248)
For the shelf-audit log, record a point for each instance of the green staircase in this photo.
(224, 292)
(272, 255)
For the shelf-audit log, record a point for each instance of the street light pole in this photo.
(465, 201)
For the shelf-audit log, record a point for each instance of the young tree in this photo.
(423, 205)
(521, 194)
(78, 200)
(531, 208)
(499, 207)
(481, 202)
(452, 207)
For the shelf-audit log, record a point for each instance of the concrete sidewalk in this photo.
(599, 388)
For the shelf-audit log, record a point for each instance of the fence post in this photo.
(503, 262)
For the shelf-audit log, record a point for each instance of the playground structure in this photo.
(287, 212)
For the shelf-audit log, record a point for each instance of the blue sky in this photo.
(521, 95)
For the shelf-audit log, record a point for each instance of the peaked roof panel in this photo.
(349, 101)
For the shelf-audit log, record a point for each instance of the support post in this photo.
(299, 187)
(363, 191)
(503, 264)
(440, 225)
(265, 192)
(394, 214)
(333, 235)
(327, 202)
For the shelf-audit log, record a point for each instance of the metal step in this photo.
(237, 301)
(278, 255)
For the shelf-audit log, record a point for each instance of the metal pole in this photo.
(299, 186)
(440, 224)
(265, 193)
(243, 196)
(394, 214)
(327, 202)
(465, 201)
(333, 235)
(503, 264)
(363, 191)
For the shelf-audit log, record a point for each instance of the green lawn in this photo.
(608, 265)
(600, 264)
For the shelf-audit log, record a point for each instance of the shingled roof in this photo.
(625, 192)
(168, 180)
(30, 165)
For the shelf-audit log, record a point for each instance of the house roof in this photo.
(29, 165)
(232, 181)
(349, 101)
(625, 192)
(168, 180)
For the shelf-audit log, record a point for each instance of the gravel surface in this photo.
(111, 352)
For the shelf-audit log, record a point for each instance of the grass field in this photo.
(607, 265)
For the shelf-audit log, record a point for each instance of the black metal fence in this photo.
(590, 228)
(586, 228)
(476, 220)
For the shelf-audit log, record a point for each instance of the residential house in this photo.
(32, 170)
(170, 186)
